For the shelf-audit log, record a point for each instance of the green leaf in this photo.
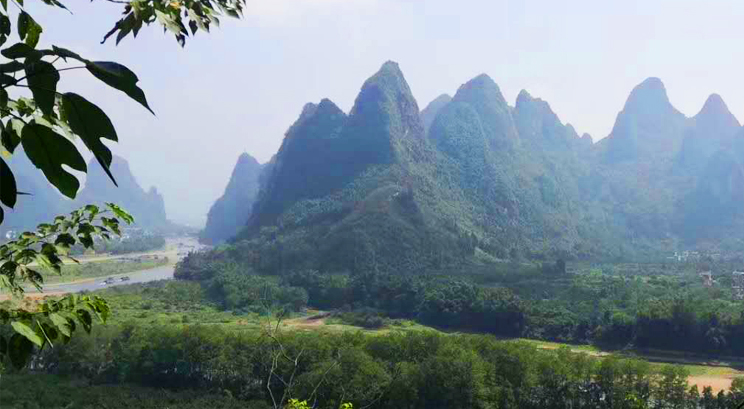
(48, 151)
(85, 319)
(34, 33)
(44, 261)
(5, 25)
(3, 98)
(120, 213)
(19, 350)
(23, 22)
(12, 66)
(24, 328)
(47, 333)
(62, 324)
(9, 136)
(29, 29)
(65, 239)
(6, 79)
(8, 188)
(91, 124)
(5, 4)
(197, 19)
(125, 26)
(169, 22)
(232, 13)
(42, 78)
(119, 77)
(3, 345)
(20, 50)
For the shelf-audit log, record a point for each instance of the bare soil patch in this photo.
(717, 383)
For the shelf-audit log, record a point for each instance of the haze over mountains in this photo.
(231, 211)
(44, 202)
(472, 176)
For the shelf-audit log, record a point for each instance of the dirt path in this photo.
(311, 322)
(716, 382)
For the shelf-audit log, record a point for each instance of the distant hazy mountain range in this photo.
(44, 202)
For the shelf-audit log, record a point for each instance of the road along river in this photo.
(175, 249)
(144, 276)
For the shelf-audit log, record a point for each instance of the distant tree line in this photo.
(129, 245)
(544, 302)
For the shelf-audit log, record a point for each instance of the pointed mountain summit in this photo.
(148, 208)
(483, 95)
(587, 140)
(711, 130)
(647, 126)
(649, 104)
(231, 211)
(430, 112)
(649, 98)
(353, 187)
(716, 119)
(537, 123)
(307, 164)
(325, 149)
(375, 190)
(385, 120)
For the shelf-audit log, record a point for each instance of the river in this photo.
(176, 248)
(144, 276)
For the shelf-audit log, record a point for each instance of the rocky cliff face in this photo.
(231, 211)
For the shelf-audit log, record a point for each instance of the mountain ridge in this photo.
(471, 176)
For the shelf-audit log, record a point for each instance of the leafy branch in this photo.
(46, 248)
(174, 16)
(43, 124)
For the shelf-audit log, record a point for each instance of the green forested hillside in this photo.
(471, 178)
(429, 113)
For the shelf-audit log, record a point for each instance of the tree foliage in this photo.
(416, 369)
(45, 123)
(22, 260)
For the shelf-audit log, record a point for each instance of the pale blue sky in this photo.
(239, 88)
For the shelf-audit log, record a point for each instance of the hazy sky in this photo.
(239, 88)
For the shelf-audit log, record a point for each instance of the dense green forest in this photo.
(661, 306)
(413, 370)
(192, 349)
